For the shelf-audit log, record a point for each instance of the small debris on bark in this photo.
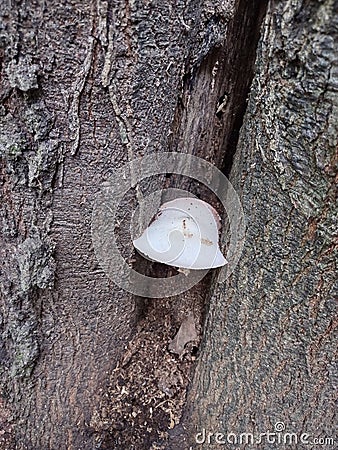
(147, 389)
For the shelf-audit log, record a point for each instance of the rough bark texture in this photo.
(269, 347)
(88, 86)
(55, 298)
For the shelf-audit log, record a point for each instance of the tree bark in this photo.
(268, 359)
(89, 86)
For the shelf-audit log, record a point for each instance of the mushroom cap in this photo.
(183, 234)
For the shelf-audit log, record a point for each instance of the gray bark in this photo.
(88, 86)
(269, 347)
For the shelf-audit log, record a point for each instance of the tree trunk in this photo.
(268, 359)
(90, 86)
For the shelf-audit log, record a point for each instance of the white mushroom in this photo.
(183, 234)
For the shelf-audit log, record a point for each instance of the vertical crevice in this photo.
(209, 114)
(244, 31)
(208, 122)
(211, 108)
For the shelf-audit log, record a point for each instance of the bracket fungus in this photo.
(183, 234)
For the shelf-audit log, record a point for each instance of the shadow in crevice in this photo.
(213, 102)
(207, 124)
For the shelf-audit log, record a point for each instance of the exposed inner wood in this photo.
(148, 389)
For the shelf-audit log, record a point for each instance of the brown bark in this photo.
(88, 86)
